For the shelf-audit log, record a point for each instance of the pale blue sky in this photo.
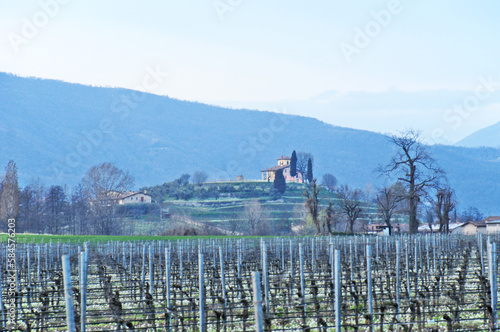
(275, 55)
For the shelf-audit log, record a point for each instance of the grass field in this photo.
(46, 238)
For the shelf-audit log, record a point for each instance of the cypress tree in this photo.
(309, 170)
(293, 164)
(279, 182)
(9, 193)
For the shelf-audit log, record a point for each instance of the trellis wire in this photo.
(426, 282)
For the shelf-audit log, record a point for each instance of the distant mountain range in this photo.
(489, 136)
(56, 131)
(389, 111)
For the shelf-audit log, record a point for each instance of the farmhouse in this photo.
(463, 228)
(283, 164)
(114, 197)
(467, 228)
(492, 224)
(133, 198)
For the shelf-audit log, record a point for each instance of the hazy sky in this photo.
(327, 59)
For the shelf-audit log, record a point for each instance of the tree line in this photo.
(416, 187)
(90, 208)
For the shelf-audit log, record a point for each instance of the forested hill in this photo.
(57, 130)
(489, 136)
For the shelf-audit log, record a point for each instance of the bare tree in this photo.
(33, 210)
(30, 210)
(330, 217)
(329, 181)
(57, 208)
(302, 161)
(199, 177)
(415, 168)
(9, 195)
(429, 216)
(471, 214)
(312, 204)
(254, 214)
(234, 225)
(389, 201)
(351, 204)
(103, 184)
(79, 211)
(105, 178)
(445, 203)
(300, 212)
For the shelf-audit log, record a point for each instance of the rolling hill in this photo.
(489, 136)
(56, 131)
(227, 211)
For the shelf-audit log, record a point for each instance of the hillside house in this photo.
(480, 227)
(283, 164)
(466, 228)
(120, 198)
(460, 228)
(492, 224)
(132, 197)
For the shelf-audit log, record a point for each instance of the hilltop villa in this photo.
(283, 164)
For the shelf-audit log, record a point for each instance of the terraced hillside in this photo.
(226, 209)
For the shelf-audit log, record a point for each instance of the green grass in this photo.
(43, 238)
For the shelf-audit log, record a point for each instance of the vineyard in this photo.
(417, 283)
